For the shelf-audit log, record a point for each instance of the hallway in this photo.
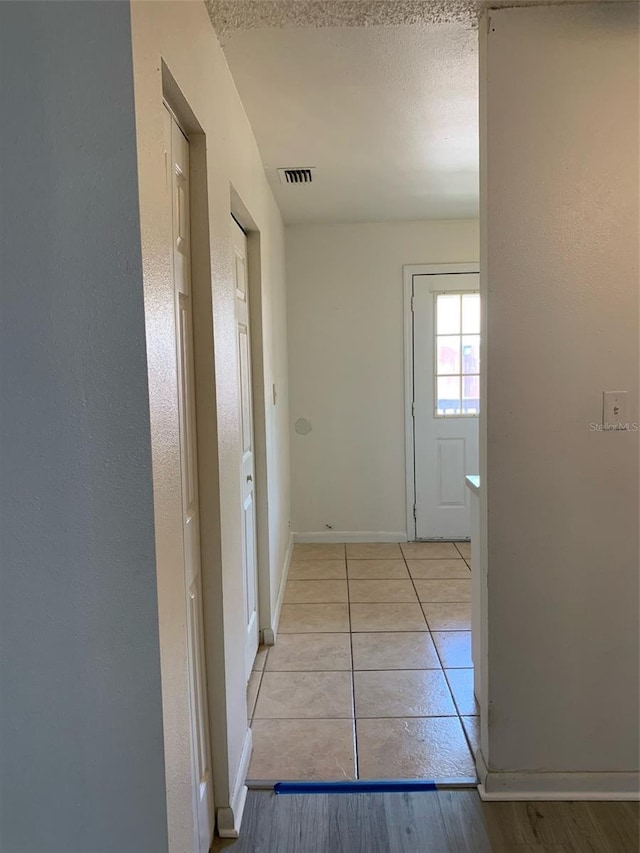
(371, 675)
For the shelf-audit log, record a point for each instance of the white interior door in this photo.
(446, 365)
(177, 149)
(247, 468)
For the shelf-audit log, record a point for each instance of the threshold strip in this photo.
(356, 786)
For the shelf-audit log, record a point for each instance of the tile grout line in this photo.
(381, 717)
(375, 669)
(330, 719)
(415, 590)
(262, 672)
(255, 703)
(458, 716)
(356, 761)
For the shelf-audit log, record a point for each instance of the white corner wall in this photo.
(179, 34)
(346, 368)
(560, 248)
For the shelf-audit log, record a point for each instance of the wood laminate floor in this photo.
(444, 821)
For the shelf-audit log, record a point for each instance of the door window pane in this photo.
(448, 395)
(448, 313)
(470, 395)
(470, 354)
(471, 313)
(448, 354)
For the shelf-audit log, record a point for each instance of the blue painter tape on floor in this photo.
(357, 786)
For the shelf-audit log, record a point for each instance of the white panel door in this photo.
(446, 364)
(177, 149)
(247, 468)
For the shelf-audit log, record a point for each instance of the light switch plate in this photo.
(614, 409)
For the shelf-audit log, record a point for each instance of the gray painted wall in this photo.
(81, 751)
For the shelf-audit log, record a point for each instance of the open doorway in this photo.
(369, 136)
(376, 637)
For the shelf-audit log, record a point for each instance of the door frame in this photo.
(408, 272)
(261, 400)
(208, 475)
(200, 638)
(235, 223)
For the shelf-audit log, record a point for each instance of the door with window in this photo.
(446, 384)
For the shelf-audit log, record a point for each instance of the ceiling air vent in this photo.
(299, 175)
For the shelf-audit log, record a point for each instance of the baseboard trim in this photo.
(557, 786)
(352, 536)
(269, 634)
(229, 818)
(481, 767)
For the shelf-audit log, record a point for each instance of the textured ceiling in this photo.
(245, 14)
(248, 14)
(380, 97)
(388, 116)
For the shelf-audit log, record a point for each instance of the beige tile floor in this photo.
(371, 675)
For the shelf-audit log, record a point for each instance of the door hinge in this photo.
(415, 512)
(413, 304)
(413, 409)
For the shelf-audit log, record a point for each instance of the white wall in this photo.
(346, 366)
(560, 286)
(180, 35)
(81, 757)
